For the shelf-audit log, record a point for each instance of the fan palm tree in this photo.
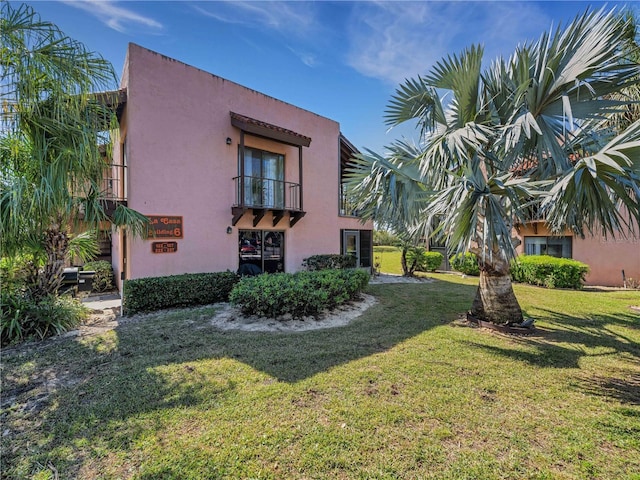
(631, 49)
(530, 130)
(51, 131)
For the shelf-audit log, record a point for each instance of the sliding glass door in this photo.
(263, 178)
(262, 248)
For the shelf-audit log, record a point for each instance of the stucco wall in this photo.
(177, 121)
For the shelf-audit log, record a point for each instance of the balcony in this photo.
(113, 192)
(262, 195)
(347, 205)
(533, 216)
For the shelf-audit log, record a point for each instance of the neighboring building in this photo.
(607, 257)
(227, 175)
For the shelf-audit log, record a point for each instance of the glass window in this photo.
(262, 249)
(357, 243)
(263, 178)
(553, 246)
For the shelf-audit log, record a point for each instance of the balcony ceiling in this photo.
(268, 130)
(114, 99)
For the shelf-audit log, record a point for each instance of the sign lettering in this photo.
(165, 226)
(164, 247)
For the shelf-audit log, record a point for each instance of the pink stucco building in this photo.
(228, 176)
(607, 257)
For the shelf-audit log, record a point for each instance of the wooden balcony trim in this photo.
(238, 211)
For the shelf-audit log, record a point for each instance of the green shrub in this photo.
(426, 261)
(156, 293)
(433, 261)
(15, 270)
(103, 279)
(466, 263)
(300, 294)
(550, 272)
(22, 317)
(329, 261)
(382, 237)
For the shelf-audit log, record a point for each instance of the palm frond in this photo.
(135, 222)
(460, 75)
(601, 190)
(415, 100)
(84, 246)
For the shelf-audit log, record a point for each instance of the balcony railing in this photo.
(347, 205)
(267, 193)
(534, 213)
(113, 184)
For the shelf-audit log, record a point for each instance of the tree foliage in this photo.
(54, 139)
(533, 130)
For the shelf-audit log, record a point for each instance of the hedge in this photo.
(550, 272)
(156, 293)
(329, 261)
(299, 294)
(466, 263)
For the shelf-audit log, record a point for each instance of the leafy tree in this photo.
(531, 130)
(52, 132)
(384, 237)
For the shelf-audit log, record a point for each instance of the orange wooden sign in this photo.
(165, 226)
(164, 247)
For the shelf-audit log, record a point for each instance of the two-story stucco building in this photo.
(227, 175)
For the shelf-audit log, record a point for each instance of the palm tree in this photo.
(530, 130)
(53, 128)
(631, 49)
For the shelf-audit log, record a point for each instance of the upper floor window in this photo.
(263, 178)
(553, 246)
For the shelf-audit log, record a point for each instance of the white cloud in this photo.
(295, 22)
(393, 41)
(295, 18)
(308, 58)
(114, 16)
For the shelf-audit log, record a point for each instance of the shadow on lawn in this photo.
(111, 382)
(150, 364)
(564, 339)
(625, 387)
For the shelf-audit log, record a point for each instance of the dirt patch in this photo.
(231, 318)
(388, 278)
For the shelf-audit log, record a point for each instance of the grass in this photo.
(389, 259)
(405, 391)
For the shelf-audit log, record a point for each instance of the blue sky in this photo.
(342, 60)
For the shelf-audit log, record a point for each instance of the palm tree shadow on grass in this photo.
(403, 311)
(152, 363)
(566, 339)
(625, 389)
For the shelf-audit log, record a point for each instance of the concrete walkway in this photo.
(101, 302)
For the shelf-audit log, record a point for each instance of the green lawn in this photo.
(405, 391)
(388, 258)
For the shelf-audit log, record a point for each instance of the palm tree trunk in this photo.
(56, 245)
(495, 299)
(403, 262)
